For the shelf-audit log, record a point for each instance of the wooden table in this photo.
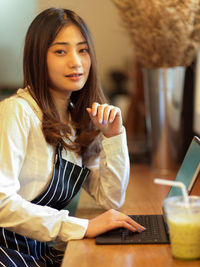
(143, 197)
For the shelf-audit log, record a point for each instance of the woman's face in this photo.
(68, 61)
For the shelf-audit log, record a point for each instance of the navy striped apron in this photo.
(19, 251)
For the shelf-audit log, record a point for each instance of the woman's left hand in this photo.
(106, 118)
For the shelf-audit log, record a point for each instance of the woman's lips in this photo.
(74, 76)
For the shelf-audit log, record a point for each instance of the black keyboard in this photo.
(155, 232)
(151, 224)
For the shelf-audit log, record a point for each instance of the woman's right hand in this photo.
(109, 220)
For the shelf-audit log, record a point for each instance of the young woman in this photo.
(57, 135)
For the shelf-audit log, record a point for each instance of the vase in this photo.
(163, 89)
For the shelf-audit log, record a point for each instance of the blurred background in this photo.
(120, 74)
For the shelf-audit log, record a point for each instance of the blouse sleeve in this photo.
(108, 180)
(16, 213)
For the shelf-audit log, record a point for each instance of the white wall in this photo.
(111, 40)
(15, 16)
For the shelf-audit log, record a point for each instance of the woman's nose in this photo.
(74, 60)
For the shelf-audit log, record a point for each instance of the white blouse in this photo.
(26, 167)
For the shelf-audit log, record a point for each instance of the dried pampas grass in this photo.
(164, 33)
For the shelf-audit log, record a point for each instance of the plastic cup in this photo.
(184, 226)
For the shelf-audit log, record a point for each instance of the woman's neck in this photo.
(61, 102)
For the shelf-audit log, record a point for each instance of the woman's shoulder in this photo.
(18, 103)
(14, 112)
(14, 103)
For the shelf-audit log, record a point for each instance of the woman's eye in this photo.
(60, 52)
(84, 50)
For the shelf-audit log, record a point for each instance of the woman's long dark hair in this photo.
(40, 35)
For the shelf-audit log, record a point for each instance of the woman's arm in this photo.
(109, 176)
(16, 213)
(110, 172)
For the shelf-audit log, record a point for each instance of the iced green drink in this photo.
(185, 236)
(184, 227)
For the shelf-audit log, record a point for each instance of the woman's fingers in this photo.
(130, 223)
(107, 118)
(101, 112)
(94, 108)
(114, 113)
(104, 113)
